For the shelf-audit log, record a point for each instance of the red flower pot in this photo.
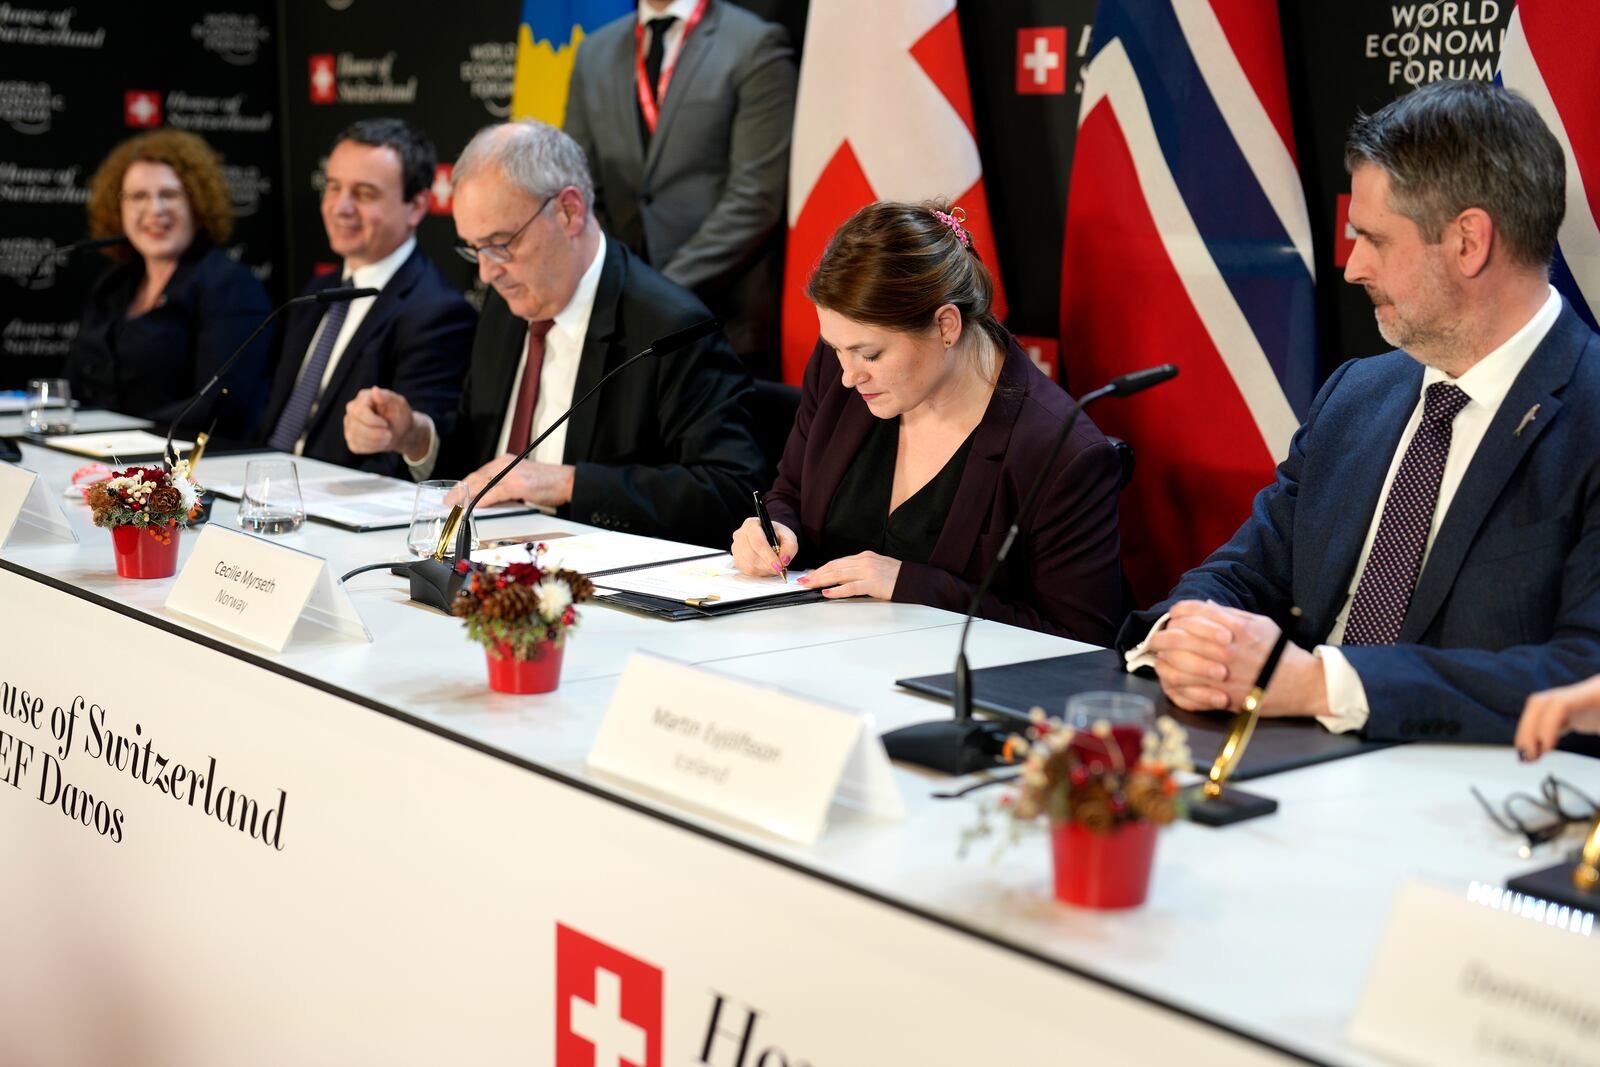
(1103, 870)
(146, 551)
(539, 675)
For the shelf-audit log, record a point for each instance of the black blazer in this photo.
(152, 365)
(1062, 575)
(416, 339)
(665, 449)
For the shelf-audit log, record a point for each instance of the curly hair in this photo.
(197, 165)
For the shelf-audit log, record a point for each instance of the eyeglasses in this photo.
(1541, 819)
(501, 252)
(140, 198)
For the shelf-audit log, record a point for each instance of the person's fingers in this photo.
(1201, 667)
(1200, 618)
(846, 589)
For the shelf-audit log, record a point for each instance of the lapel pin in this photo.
(1526, 420)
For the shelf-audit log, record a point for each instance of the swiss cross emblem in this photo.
(141, 108)
(608, 1005)
(1042, 60)
(439, 192)
(324, 89)
(1344, 235)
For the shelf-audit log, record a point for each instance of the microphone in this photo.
(88, 243)
(326, 296)
(962, 744)
(436, 581)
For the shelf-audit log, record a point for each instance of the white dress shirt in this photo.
(372, 276)
(563, 348)
(1486, 385)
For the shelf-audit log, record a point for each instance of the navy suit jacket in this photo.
(1061, 577)
(665, 449)
(1508, 601)
(416, 339)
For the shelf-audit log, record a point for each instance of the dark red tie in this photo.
(528, 395)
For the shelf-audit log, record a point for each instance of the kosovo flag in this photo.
(546, 43)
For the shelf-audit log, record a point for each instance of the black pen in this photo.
(771, 535)
(1253, 700)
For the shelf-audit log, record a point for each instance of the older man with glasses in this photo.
(665, 449)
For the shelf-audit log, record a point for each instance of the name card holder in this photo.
(1484, 977)
(749, 752)
(263, 592)
(28, 513)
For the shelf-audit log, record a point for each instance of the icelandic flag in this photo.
(547, 40)
(1188, 242)
(1550, 55)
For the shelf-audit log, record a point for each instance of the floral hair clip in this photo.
(953, 219)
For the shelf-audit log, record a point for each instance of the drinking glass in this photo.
(48, 406)
(1128, 714)
(271, 502)
(434, 500)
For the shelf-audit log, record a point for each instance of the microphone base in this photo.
(950, 746)
(433, 582)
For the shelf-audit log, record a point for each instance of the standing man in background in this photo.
(414, 337)
(684, 110)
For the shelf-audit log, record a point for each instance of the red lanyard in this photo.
(647, 99)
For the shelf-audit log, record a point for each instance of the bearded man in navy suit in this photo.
(415, 336)
(1437, 520)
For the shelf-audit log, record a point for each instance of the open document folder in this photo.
(700, 588)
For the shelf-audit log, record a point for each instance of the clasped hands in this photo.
(863, 574)
(1209, 656)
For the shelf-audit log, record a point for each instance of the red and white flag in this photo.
(884, 113)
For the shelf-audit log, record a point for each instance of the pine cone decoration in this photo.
(582, 588)
(166, 499)
(100, 498)
(512, 604)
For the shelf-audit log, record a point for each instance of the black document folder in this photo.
(678, 610)
(1278, 744)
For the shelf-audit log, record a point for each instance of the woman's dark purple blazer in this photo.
(1061, 577)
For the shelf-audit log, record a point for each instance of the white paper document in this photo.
(344, 497)
(115, 444)
(709, 580)
(587, 553)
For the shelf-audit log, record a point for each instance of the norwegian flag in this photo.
(1551, 52)
(883, 113)
(1188, 242)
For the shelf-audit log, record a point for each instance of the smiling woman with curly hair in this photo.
(160, 323)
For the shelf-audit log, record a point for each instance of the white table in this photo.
(1265, 929)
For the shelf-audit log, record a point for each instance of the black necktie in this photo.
(657, 30)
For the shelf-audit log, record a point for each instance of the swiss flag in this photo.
(1344, 235)
(324, 86)
(883, 113)
(443, 187)
(608, 1005)
(1042, 60)
(141, 108)
(1045, 353)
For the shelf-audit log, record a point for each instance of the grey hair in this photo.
(1455, 145)
(536, 157)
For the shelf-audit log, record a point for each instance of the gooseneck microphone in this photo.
(962, 744)
(326, 296)
(85, 245)
(435, 581)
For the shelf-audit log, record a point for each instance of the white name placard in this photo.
(260, 591)
(27, 511)
(752, 753)
(1482, 977)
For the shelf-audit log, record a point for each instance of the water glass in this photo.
(271, 501)
(47, 408)
(1129, 715)
(429, 513)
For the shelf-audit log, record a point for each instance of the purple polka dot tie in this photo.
(1384, 592)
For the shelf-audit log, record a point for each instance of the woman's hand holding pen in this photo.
(752, 554)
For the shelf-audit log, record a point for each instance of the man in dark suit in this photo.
(414, 337)
(691, 160)
(665, 449)
(1437, 520)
